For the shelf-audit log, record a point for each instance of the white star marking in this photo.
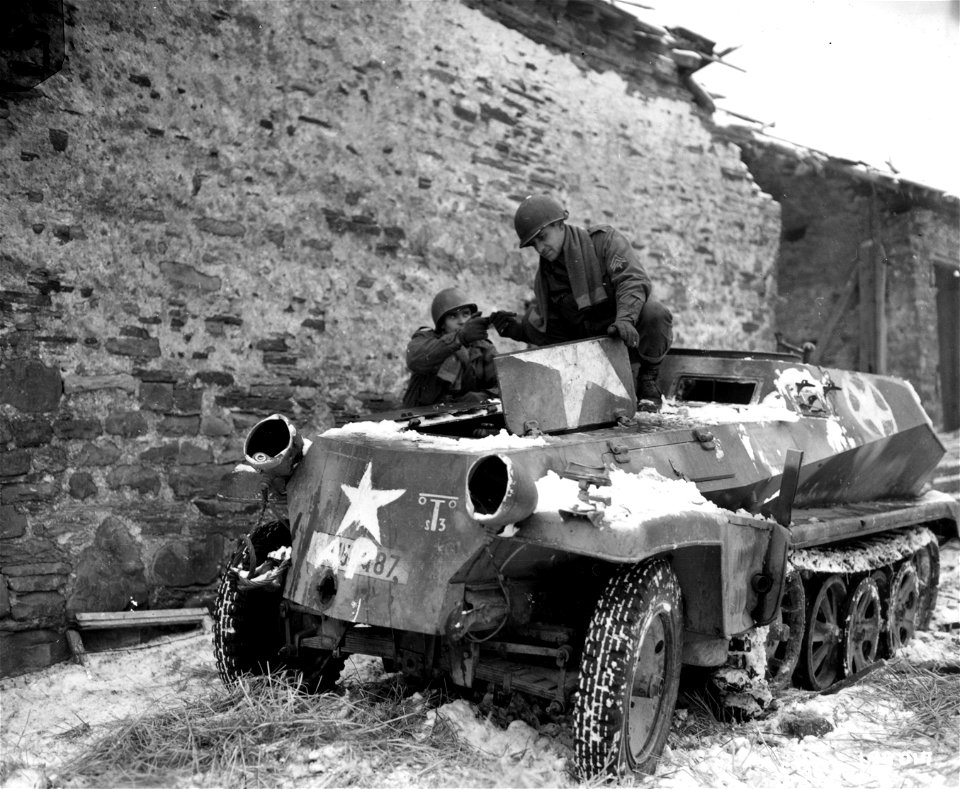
(323, 552)
(579, 365)
(364, 503)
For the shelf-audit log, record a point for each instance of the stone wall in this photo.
(829, 209)
(220, 211)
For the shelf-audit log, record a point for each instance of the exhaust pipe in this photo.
(499, 492)
(273, 447)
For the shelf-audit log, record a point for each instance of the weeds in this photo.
(264, 732)
(932, 694)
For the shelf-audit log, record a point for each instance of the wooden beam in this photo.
(880, 306)
(870, 322)
(170, 616)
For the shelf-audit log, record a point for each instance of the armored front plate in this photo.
(566, 386)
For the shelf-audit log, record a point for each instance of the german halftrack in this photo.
(774, 522)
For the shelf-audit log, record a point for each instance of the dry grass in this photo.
(931, 692)
(264, 732)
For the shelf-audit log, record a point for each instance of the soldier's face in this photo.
(549, 241)
(455, 320)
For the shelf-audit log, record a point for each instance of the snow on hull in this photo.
(634, 499)
(399, 432)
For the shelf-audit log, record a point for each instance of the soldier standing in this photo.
(589, 283)
(454, 359)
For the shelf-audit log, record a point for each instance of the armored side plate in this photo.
(566, 386)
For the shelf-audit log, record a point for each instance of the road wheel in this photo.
(820, 653)
(927, 563)
(785, 634)
(862, 627)
(903, 607)
(248, 629)
(630, 672)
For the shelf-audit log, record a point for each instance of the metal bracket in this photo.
(829, 385)
(621, 452)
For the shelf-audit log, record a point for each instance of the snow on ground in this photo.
(50, 715)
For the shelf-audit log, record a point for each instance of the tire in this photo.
(248, 629)
(821, 654)
(630, 672)
(783, 654)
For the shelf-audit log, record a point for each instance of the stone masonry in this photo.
(829, 210)
(218, 211)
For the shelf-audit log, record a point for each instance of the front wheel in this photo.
(247, 630)
(249, 636)
(630, 672)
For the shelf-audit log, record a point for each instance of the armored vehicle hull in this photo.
(593, 558)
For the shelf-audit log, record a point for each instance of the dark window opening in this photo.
(715, 390)
(794, 233)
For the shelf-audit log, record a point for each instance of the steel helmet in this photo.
(534, 214)
(447, 300)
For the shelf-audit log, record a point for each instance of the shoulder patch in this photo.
(618, 263)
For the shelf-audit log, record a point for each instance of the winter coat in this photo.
(596, 280)
(443, 369)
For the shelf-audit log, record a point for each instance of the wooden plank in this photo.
(103, 620)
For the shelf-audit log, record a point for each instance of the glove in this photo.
(627, 331)
(473, 330)
(507, 324)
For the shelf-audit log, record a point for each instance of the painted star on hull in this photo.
(364, 503)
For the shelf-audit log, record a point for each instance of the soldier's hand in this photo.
(506, 323)
(627, 332)
(474, 329)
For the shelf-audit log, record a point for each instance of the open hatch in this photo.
(554, 389)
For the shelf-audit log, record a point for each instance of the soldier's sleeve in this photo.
(529, 333)
(426, 351)
(532, 335)
(631, 282)
(489, 369)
